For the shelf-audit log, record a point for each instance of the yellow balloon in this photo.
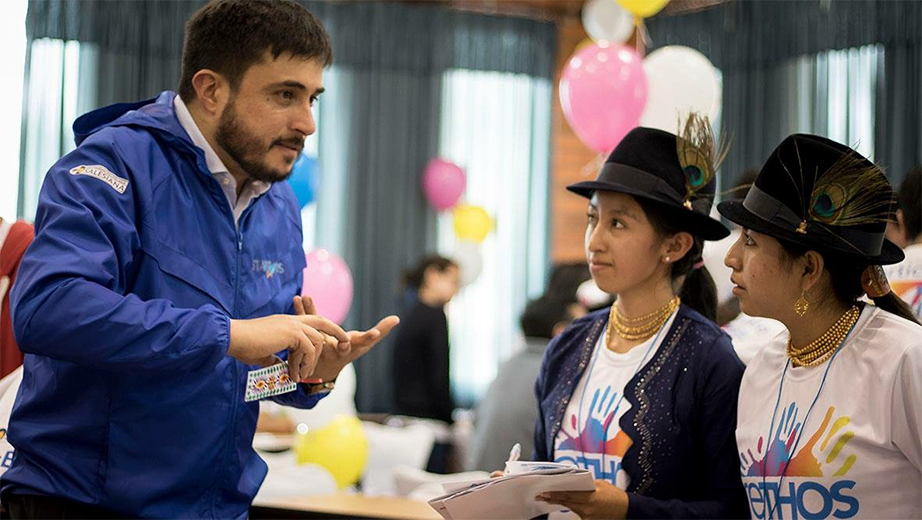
(472, 223)
(585, 43)
(643, 8)
(340, 447)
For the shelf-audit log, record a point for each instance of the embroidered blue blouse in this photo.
(683, 462)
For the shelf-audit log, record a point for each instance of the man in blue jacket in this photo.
(166, 264)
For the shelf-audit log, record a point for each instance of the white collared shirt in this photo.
(251, 189)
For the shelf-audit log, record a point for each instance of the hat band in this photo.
(768, 208)
(635, 179)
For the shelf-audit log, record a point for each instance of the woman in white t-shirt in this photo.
(830, 411)
(643, 394)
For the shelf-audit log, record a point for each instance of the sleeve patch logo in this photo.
(102, 173)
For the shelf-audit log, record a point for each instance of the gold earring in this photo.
(801, 305)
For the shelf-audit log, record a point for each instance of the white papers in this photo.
(511, 496)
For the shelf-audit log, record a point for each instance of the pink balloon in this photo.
(443, 183)
(603, 90)
(328, 281)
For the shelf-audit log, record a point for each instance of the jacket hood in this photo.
(155, 114)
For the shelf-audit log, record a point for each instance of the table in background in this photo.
(343, 505)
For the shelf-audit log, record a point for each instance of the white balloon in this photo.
(679, 80)
(469, 259)
(606, 20)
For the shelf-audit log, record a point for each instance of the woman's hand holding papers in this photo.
(607, 501)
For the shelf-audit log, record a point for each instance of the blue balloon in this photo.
(304, 179)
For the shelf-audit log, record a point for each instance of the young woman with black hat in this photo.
(830, 412)
(643, 393)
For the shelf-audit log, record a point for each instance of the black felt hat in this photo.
(676, 172)
(823, 195)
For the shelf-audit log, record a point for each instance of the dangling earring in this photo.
(801, 305)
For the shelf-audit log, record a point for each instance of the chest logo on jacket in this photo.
(268, 267)
(102, 173)
(800, 492)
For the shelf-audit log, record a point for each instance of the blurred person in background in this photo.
(422, 385)
(421, 361)
(906, 232)
(565, 280)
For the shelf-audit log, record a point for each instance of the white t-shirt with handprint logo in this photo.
(859, 452)
(590, 436)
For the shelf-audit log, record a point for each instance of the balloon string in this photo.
(643, 40)
(593, 166)
(638, 35)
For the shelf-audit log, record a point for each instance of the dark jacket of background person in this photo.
(422, 386)
(683, 461)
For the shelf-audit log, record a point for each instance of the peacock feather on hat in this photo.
(848, 193)
(700, 154)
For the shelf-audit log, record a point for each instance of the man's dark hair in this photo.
(910, 201)
(229, 36)
(542, 315)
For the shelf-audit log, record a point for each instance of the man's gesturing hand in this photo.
(256, 341)
(337, 354)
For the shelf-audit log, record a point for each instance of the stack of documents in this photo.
(511, 496)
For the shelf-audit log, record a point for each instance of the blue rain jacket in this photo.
(122, 307)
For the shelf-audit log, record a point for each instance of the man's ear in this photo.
(212, 91)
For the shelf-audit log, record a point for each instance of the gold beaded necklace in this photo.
(819, 350)
(641, 327)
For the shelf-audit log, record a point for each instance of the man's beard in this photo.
(248, 150)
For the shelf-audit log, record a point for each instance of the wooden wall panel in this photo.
(568, 162)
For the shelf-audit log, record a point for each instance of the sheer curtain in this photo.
(833, 93)
(496, 126)
(61, 86)
(12, 62)
(846, 88)
(378, 128)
